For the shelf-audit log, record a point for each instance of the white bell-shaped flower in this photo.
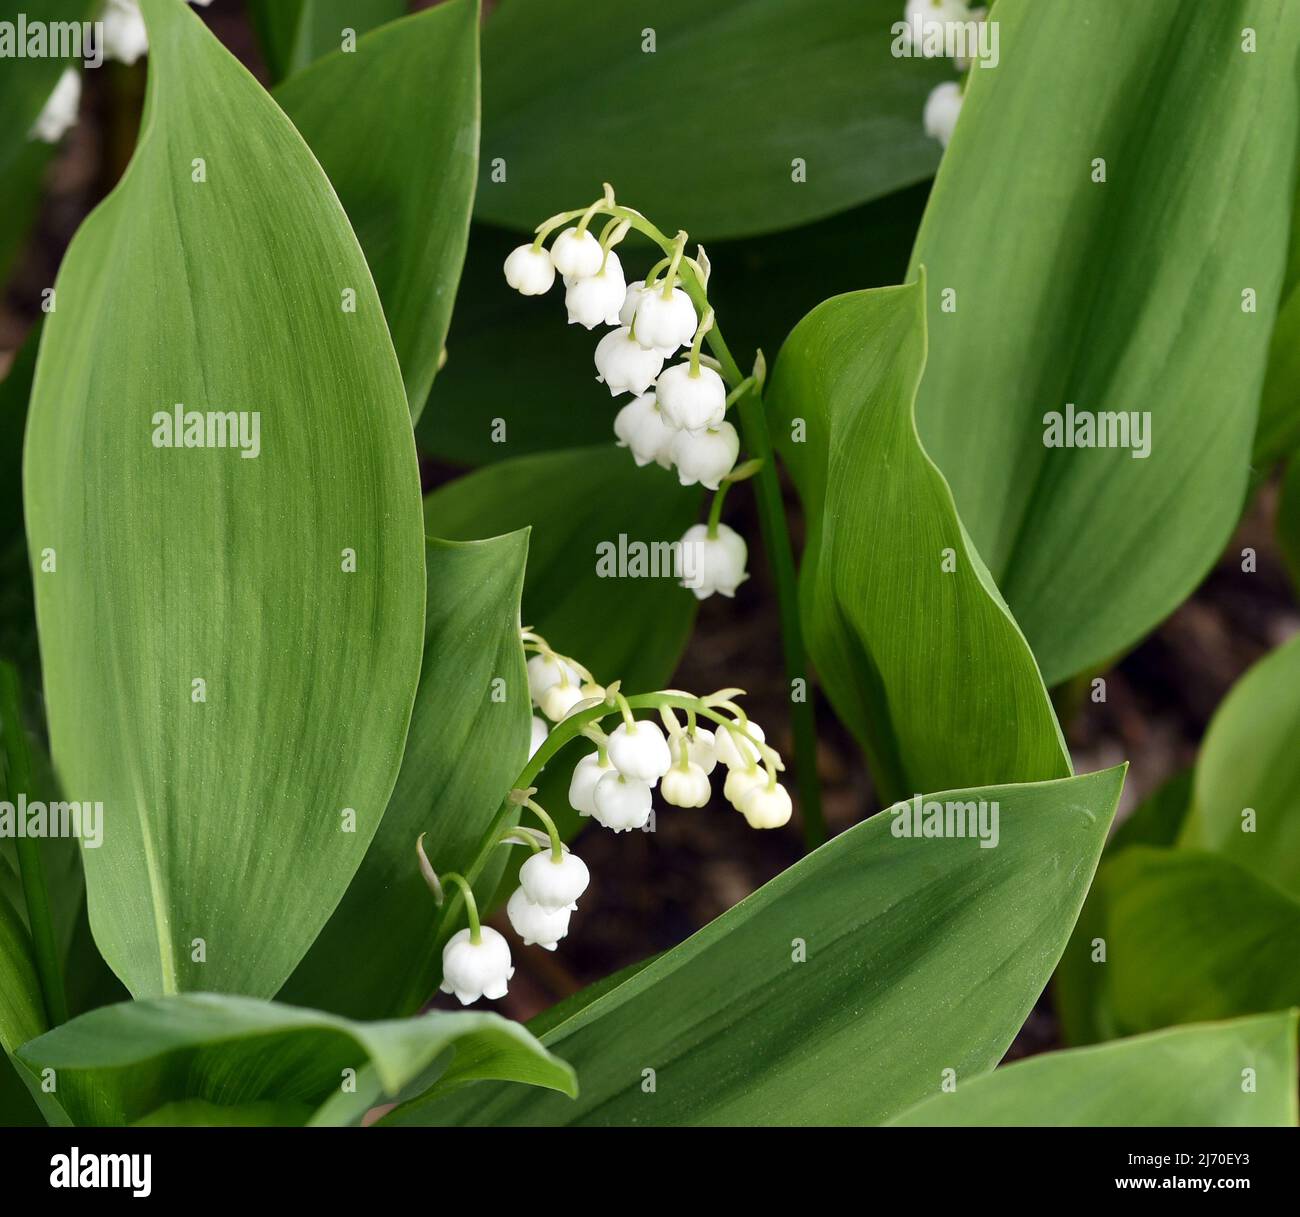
(552, 882)
(582, 786)
(123, 31)
(702, 748)
(545, 670)
(664, 325)
(942, 108)
(705, 456)
(536, 925)
(60, 109)
(472, 970)
(712, 564)
(596, 299)
(766, 805)
(622, 803)
(639, 750)
(641, 427)
(740, 782)
(734, 750)
(576, 254)
(623, 365)
(560, 698)
(530, 271)
(627, 314)
(540, 730)
(927, 22)
(692, 400)
(685, 786)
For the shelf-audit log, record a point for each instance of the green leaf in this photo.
(124, 1062)
(1278, 433)
(704, 132)
(1158, 818)
(293, 33)
(1170, 1079)
(224, 818)
(395, 126)
(921, 955)
(378, 954)
(1111, 297)
(22, 1009)
(1249, 763)
(911, 640)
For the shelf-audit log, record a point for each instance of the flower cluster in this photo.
(676, 417)
(614, 786)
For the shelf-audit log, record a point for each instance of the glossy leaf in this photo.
(704, 131)
(467, 743)
(124, 1062)
(909, 636)
(394, 124)
(922, 954)
(225, 818)
(293, 33)
(1190, 1076)
(1110, 297)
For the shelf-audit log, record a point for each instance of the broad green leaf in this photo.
(124, 1062)
(226, 817)
(198, 1113)
(1288, 520)
(1278, 432)
(22, 1009)
(1111, 297)
(1190, 1076)
(546, 391)
(922, 954)
(293, 33)
(1246, 800)
(910, 638)
(707, 130)
(395, 126)
(468, 741)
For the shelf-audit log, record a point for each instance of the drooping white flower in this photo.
(554, 883)
(124, 35)
(576, 254)
(596, 299)
(702, 749)
(472, 970)
(60, 109)
(639, 750)
(530, 271)
(705, 456)
(740, 782)
(664, 325)
(624, 365)
(640, 426)
(766, 805)
(582, 786)
(547, 669)
(712, 564)
(942, 108)
(927, 23)
(540, 732)
(685, 786)
(536, 925)
(560, 698)
(734, 750)
(622, 803)
(634, 293)
(692, 400)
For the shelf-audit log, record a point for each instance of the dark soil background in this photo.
(650, 891)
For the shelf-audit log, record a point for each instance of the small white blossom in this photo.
(705, 456)
(639, 750)
(536, 925)
(941, 110)
(640, 426)
(664, 325)
(635, 291)
(530, 271)
(554, 883)
(576, 254)
(702, 749)
(766, 805)
(692, 400)
(596, 299)
(622, 803)
(624, 365)
(124, 35)
(547, 669)
(582, 787)
(740, 782)
(472, 970)
(540, 732)
(560, 698)
(717, 563)
(734, 750)
(927, 22)
(686, 786)
(60, 110)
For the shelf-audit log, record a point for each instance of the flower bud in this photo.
(60, 109)
(641, 427)
(535, 925)
(472, 970)
(539, 733)
(712, 564)
(624, 365)
(927, 22)
(530, 271)
(702, 748)
(664, 325)
(692, 401)
(734, 750)
(740, 782)
(559, 699)
(546, 670)
(554, 883)
(705, 456)
(942, 108)
(639, 750)
(576, 255)
(685, 787)
(622, 803)
(596, 299)
(766, 805)
(582, 787)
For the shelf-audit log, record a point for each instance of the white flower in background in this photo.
(622, 803)
(535, 925)
(596, 299)
(766, 805)
(664, 325)
(639, 750)
(554, 883)
(734, 750)
(692, 399)
(705, 456)
(717, 563)
(540, 732)
(702, 749)
(582, 786)
(685, 786)
(927, 22)
(740, 782)
(472, 970)
(530, 271)
(548, 669)
(640, 426)
(124, 34)
(942, 108)
(627, 314)
(576, 255)
(60, 110)
(624, 365)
